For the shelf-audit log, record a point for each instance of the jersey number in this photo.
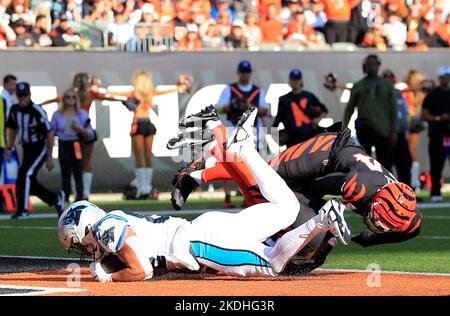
(371, 163)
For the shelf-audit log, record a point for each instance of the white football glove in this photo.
(98, 273)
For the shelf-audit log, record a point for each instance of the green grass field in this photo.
(429, 252)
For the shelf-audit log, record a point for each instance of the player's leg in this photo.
(138, 147)
(148, 155)
(330, 218)
(87, 170)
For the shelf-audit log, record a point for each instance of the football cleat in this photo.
(332, 213)
(189, 137)
(200, 118)
(242, 135)
(184, 184)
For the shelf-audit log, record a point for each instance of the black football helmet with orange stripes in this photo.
(393, 209)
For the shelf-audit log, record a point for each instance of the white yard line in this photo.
(40, 290)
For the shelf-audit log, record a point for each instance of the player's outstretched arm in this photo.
(134, 270)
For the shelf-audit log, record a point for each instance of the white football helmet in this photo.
(75, 228)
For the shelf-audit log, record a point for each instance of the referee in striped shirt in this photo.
(28, 122)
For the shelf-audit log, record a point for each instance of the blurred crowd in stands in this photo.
(193, 25)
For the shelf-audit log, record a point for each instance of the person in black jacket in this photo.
(28, 122)
(300, 111)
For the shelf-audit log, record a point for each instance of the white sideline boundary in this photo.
(42, 290)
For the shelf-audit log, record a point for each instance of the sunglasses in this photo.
(70, 97)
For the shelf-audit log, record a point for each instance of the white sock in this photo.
(292, 242)
(73, 186)
(197, 176)
(415, 174)
(148, 180)
(140, 176)
(87, 182)
(272, 186)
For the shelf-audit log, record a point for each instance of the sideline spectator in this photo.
(142, 129)
(37, 144)
(299, 30)
(63, 35)
(23, 37)
(222, 5)
(7, 35)
(374, 38)
(338, 14)
(9, 91)
(414, 96)
(288, 11)
(212, 38)
(20, 9)
(40, 34)
(436, 111)
(377, 121)
(192, 41)
(264, 4)
(300, 111)
(401, 156)
(237, 39)
(234, 100)
(87, 88)
(271, 27)
(224, 23)
(252, 31)
(72, 127)
(395, 32)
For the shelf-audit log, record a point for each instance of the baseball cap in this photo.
(444, 71)
(238, 23)
(63, 17)
(20, 22)
(23, 89)
(244, 66)
(295, 74)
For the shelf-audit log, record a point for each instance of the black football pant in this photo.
(437, 159)
(383, 149)
(34, 157)
(71, 165)
(402, 159)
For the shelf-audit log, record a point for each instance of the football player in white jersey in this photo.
(231, 244)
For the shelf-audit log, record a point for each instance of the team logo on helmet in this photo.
(73, 215)
(108, 236)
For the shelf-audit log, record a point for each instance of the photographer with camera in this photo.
(300, 111)
(377, 121)
(235, 99)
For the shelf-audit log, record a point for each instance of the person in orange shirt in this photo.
(298, 28)
(140, 101)
(264, 4)
(338, 13)
(271, 27)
